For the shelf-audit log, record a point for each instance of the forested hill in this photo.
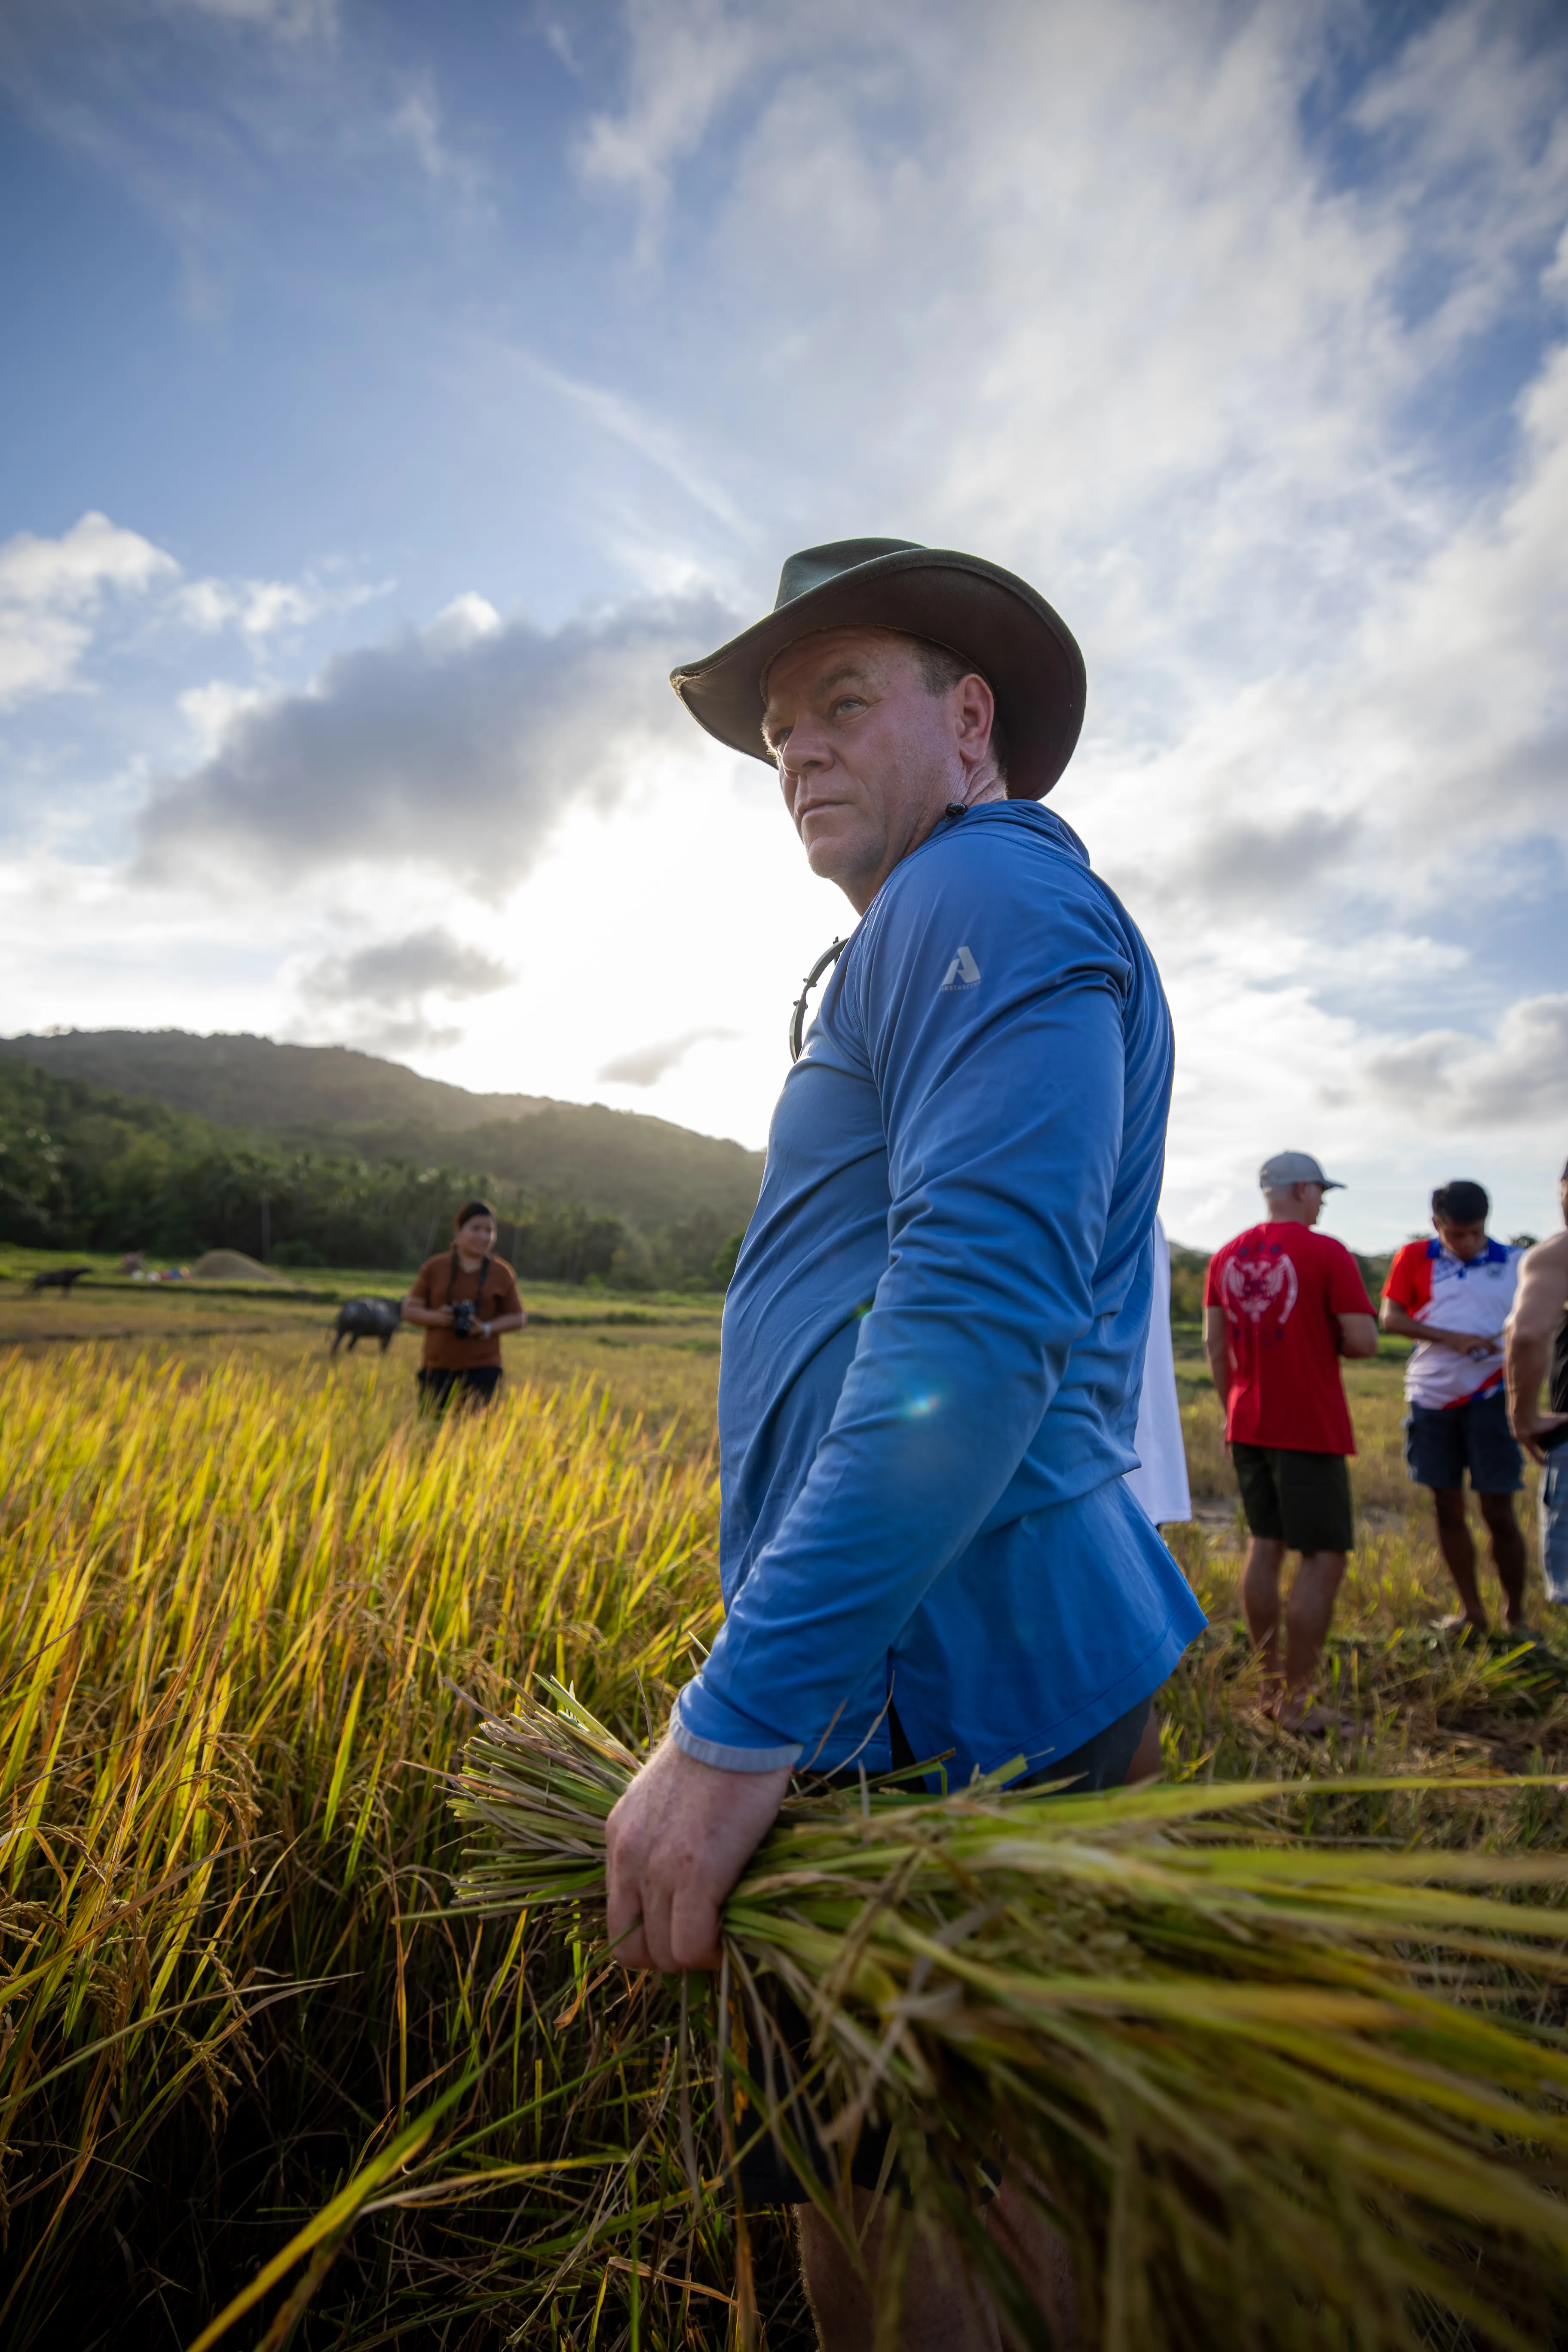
(328, 1099)
(245, 1081)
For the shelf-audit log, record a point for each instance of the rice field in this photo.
(249, 1605)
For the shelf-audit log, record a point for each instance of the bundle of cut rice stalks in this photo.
(1278, 2091)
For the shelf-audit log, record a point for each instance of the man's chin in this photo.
(832, 859)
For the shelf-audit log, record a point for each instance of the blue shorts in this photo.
(1441, 1445)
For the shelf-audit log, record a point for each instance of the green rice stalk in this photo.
(1276, 2090)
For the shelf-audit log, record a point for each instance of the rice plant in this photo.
(1276, 2091)
(240, 1622)
(249, 2050)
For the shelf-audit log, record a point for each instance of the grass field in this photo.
(246, 1596)
(664, 1343)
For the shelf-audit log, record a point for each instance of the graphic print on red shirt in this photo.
(1283, 1289)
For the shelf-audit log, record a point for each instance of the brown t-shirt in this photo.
(444, 1351)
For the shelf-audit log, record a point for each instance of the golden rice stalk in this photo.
(238, 1614)
(1278, 2091)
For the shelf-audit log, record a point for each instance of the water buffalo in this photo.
(58, 1278)
(367, 1319)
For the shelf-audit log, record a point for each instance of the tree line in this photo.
(81, 1168)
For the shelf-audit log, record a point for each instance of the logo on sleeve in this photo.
(963, 971)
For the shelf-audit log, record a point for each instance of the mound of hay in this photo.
(232, 1266)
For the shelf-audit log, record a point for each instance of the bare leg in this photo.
(943, 2310)
(1040, 2254)
(1308, 1613)
(1260, 1600)
(1145, 1764)
(1508, 1551)
(1458, 1548)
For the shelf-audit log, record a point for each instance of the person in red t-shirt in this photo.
(1281, 1306)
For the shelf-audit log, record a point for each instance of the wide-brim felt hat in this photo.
(993, 620)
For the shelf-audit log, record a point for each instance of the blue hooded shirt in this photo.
(934, 1341)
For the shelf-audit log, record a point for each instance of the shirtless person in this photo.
(1536, 1341)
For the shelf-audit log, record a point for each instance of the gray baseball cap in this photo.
(1294, 1167)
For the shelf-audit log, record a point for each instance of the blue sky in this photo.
(394, 391)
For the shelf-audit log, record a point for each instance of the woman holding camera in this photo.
(464, 1298)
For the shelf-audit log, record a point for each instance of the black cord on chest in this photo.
(828, 957)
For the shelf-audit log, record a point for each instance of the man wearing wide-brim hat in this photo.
(933, 1338)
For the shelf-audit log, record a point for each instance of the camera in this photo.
(463, 1318)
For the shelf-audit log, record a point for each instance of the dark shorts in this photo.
(1302, 1500)
(1441, 1445)
(437, 1385)
(764, 2174)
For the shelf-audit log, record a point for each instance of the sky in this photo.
(393, 391)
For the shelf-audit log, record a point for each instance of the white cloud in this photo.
(418, 121)
(645, 1066)
(54, 595)
(263, 608)
(419, 124)
(468, 740)
(51, 591)
(463, 621)
(1517, 1077)
(1070, 285)
(377, 997)
(402, 972)
(684, 62)
(1475, 147)
(257, 607)
(1331, 813)
(671, 451)
(212, 709)
(73, 571)
(291, 20)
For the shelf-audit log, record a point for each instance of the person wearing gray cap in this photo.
(1281, 1306)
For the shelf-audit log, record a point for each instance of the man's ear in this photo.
(974, 713)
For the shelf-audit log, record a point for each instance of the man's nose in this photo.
(806, 751)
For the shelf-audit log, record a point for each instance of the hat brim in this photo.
(989, 617)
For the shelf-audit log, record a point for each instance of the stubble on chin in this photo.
(840, 859)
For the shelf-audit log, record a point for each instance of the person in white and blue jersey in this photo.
(1452, 1295)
